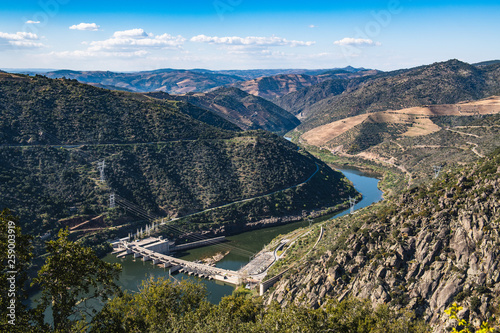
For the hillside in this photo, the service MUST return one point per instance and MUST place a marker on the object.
(299, 101)
(157, 156)
(440, 83)
(274, 87)
(43, 111)
(174, 81)
(416, 121)
(422, 250)
(247, 111)
(414, 140)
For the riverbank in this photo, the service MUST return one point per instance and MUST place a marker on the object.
(392, 179)
(241, 246)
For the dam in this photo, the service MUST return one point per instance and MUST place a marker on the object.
(158, 251)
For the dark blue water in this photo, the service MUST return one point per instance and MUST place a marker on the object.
(364, 184)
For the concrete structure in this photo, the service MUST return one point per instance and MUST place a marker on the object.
(156, 250)
(264, 285)
(200, 243)
(161, 246)
(185, 266)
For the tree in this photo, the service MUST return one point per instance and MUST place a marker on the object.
(159, 307)
(464, 325)
(15, 255)
(72, 275)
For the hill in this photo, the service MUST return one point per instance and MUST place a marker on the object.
(427, 247)
(159, 160)
(181, 81)
(440, 83)
(245, 110)
(299, 101)
(276, 86)
(43, 111)
(413, 122)
(271, 87)
(487, 63)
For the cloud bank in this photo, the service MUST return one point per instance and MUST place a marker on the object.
(20, 40)
(348, 41)
(134, 39)
(249, 41)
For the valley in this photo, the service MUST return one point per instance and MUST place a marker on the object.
(210, 160)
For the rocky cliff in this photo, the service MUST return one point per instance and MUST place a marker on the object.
(429, 247)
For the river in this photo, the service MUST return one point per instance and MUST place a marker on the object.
(241, 245)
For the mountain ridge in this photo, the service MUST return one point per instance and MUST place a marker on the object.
(439, 83)
(168, 157)
(247, 111)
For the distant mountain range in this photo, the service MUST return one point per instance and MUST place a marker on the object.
(174, 81)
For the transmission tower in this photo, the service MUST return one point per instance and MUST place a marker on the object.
(112, 203)
(352, 201)
(437, 170)
(100, 167)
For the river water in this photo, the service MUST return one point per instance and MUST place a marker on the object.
(241, 246)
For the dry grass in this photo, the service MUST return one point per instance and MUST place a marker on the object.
(417, 117)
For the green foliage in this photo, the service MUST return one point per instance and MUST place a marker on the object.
(15, 257)
(164, 306)
(462, 325)
(157, 156)
(159, 306)
(44, 111)
(73, 274)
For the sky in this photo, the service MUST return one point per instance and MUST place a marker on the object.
(245, 34)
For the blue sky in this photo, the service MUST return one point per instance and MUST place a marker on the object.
(243, 34)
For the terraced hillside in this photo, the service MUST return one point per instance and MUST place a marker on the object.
(447, 82)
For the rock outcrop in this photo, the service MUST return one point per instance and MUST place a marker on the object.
(430, 247)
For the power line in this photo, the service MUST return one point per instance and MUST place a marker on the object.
(115, 199)
(140, 212)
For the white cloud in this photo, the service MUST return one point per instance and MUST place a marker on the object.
(90, 54)
(85, 26)
(131, 40)
(132, 33)
(348, 41)
(20, 40)
(134, 43)
(250, 41)
(312, 26)
(32, 22)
